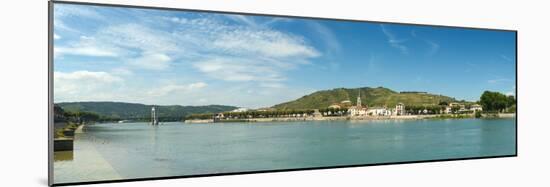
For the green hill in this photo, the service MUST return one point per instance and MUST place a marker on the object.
(120, 110)
(369, 96)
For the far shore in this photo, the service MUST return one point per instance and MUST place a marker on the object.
(352, 118)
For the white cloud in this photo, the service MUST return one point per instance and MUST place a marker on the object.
(82, 85)
(252, 22)
(136, 37)
(328, 37)
(394, 41)
(154, 61)
(121, 71)
(244, 19)
(506, 58)
(174, 88)
(87, 46)
(235, 69)
(76, 11)
(257, 56)
(83, 51)
(434, 47)
(272, 85)
(56, 37)
(241, 53)
(499, 80)
(265, 43)
(176, 20)
(63, 12)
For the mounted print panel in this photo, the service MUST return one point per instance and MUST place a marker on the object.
(152, 93)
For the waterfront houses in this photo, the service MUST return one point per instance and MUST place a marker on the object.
(399, 109)
(461, 108)
(476, 108)
(378, 111)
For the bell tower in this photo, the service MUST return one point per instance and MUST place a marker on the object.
(359, 99)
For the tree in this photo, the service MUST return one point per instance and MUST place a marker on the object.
(511, 100)
(455, 109)
(495, 101)
(477, 114)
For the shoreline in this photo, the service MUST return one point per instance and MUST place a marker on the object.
(79, 129)
(350, 118)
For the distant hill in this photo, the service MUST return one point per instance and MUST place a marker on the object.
(369, 96)
(120, 110)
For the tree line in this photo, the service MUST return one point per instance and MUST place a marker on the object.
(254, 114)
(497, 102)
(333, 111)
(61, 115)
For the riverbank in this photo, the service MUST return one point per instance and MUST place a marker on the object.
(358, 118)
(327, 118)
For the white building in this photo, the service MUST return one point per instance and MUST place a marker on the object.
(476, 108)
(378, 111)
(461, 107)
(399, 109)
(448, 109)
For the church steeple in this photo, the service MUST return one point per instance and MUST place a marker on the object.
(359, 99)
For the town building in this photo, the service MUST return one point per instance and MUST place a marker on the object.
(399, 109)
(461, 108)
(358, 110)
(476, 108)
(378, 111)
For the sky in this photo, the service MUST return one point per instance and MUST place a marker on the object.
(166, 57)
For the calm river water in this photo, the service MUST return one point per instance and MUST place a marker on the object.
(138, 150)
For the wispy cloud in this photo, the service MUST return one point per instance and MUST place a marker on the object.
(499, 80)
(506, 58)
(86, 46)
(393, 40)
(244, 19)
(152, 61)
(84, 51)
(328, 37)
(98, 85)
(247, 51)
(267, 43)
(240, 69)
(67, 12)
(433, 46)
(252, 22)
(433, 49)
(176, 88)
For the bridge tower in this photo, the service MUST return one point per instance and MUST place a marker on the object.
(154, 118)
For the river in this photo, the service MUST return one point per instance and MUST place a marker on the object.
(138, 150)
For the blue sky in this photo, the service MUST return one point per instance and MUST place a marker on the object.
(189, 58)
